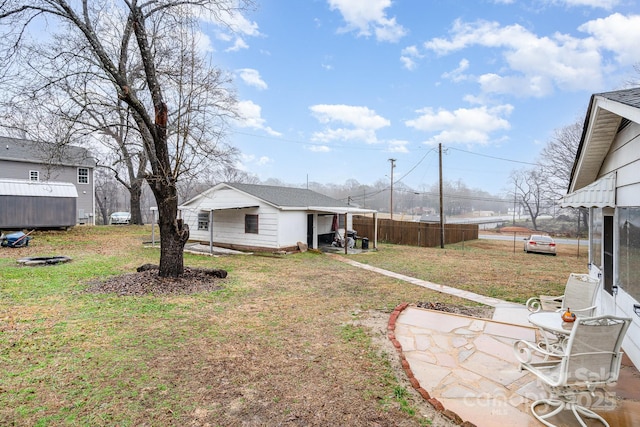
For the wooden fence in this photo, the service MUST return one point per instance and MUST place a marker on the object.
(425, 234)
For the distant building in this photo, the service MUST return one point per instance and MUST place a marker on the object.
(36, 162)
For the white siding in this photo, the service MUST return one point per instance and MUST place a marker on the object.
(624, 159)
(224, 198)
(293, 228)
(276, 228)
(228, 224)
(324, 224)
(624, 308)
(228, 227)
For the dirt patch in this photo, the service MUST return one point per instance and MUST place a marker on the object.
(484, 312)
(148, 281)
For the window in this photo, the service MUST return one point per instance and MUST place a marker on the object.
(83, 176)
(34, 176)
(251, 224)
(203, 220)
(629, 251)
(595, 252)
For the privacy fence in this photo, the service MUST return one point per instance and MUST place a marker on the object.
(426, 234)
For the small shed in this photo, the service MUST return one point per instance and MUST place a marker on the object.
(37, 205)
(263, 217)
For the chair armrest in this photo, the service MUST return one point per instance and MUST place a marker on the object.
(551, 303)
(585, 311)
(533, 304)
(525, 351)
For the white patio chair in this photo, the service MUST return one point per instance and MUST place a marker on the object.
(591, 360)
(579, 295)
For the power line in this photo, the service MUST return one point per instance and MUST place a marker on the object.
(493, 157)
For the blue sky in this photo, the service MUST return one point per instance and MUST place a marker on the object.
(330, 90)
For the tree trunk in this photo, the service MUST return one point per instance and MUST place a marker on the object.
(102, 207)
(135, 194)
(174, 234)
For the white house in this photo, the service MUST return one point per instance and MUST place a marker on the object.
(606, 180)
(263, 217)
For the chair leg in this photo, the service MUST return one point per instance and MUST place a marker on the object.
(560, 405)
(587, 413)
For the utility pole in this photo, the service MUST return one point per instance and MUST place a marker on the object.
(515, 189)
(441, 198)
(393, 165)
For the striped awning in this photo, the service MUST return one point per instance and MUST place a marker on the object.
(598, 194)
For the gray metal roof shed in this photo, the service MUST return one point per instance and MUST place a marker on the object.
(36, 204)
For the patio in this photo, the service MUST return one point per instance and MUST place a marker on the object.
(467, 367)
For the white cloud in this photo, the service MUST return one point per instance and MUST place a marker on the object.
(604, 4)
(398, 146)
(251, 117)
(233, 20)
(465, 126)
(238, 44)
(535, 64)
(359, 123)
(203, 41)
(520, 86)
(408, 56)
(458, 75)
(327, 62)
(319, 148)
(232, 25)
(617, 33)
(252, 78)
(263, 160)
(368, 17)
(247, 162)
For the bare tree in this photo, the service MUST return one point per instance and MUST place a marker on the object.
(528, 186)
(111, 38)
(558, 156)
(107, 191)
(557, 159)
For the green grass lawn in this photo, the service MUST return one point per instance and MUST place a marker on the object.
(284, 339)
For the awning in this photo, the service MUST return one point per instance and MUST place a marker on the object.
(599, 194)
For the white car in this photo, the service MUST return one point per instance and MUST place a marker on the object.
(540, 244)
(119, 218)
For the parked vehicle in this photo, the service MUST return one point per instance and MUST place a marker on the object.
(118, 218)
(15, 240)
(540, 244)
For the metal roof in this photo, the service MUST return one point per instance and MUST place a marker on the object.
(598, 194)
(23, 150)
(608, 112)
(19, 187)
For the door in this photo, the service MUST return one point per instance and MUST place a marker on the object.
(310, 230)
(607, 247)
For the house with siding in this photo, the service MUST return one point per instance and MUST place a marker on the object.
(37, 162)
(263, 217)
(606, 180)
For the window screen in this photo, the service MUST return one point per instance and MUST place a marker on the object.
(251, 224)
